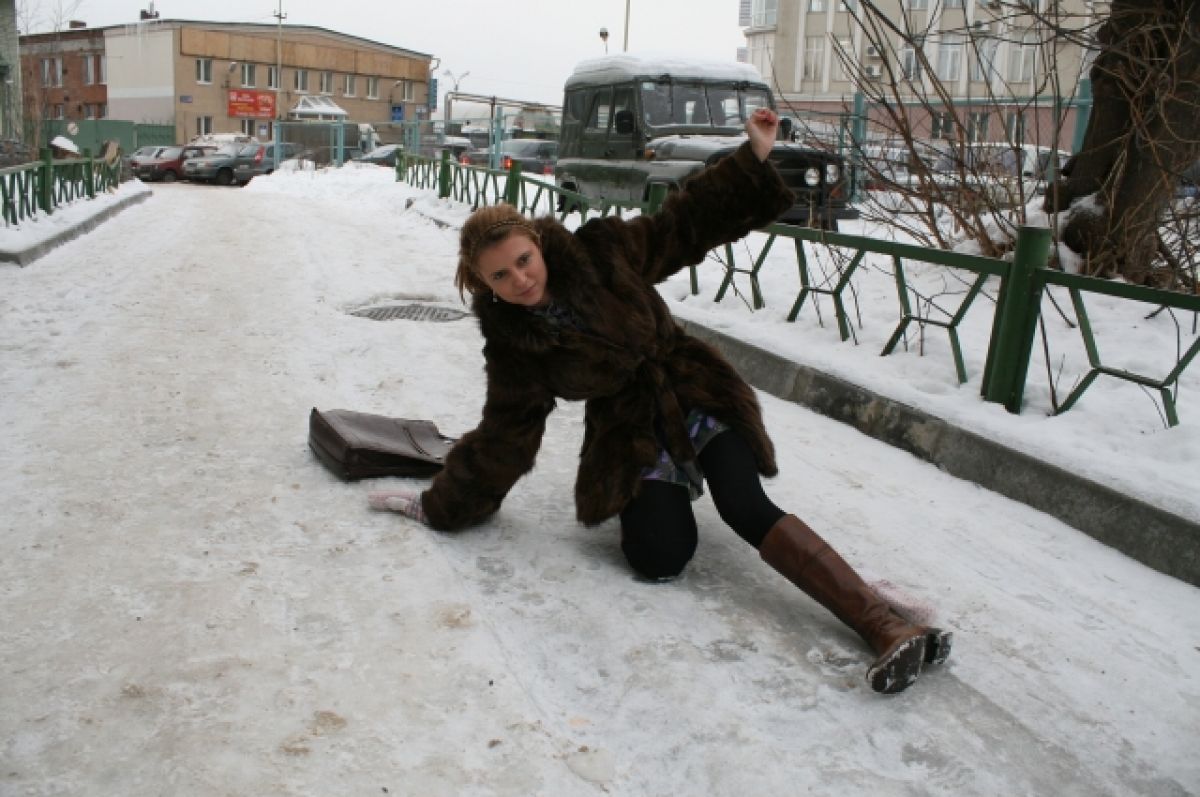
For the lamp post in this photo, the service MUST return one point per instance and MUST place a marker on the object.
(280, 17)
(457, 79)
(604, 38)
(626, 46)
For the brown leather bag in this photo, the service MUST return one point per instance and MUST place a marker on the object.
(357, 445)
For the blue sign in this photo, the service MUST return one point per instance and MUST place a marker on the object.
(397, 113)
(431, 100)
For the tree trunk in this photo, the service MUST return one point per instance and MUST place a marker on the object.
(1144, 130)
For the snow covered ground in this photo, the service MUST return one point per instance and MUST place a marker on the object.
(191, 605)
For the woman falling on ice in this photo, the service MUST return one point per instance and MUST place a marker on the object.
(576, 316)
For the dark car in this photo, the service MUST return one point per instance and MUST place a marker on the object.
(536, 156)
(385, 155)
(632, 124)
(167, 165)
(216, 166)
(255, 159)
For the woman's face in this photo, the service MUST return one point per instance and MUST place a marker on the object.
(514, 270)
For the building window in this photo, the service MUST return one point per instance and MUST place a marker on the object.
(814, 57)
(816, 6)
(102, 110)
(1021, 59)
(977, 126)
(92, 65)
(846, 6)
(272, 77)
(300, 82)
(1015, 127)
(248, 126)
(204, 70)
(917, 5)
(844, 54)
(58, 112)
(204, 126)
(89, 111)
(949, 57)
(248, 76)
(943, 125)
(983, 65)
(52, 71)
(407, 90)
(349, 88)
(763, 13)
(326, 82)
(910, 63)
(953, 3)
(372, 88)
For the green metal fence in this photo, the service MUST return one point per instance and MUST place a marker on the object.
(41, 187)
(1023, 280)
(92, 133)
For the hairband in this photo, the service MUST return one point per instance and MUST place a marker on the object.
(522, 223)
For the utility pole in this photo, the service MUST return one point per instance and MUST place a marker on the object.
(280, 17)
(626, 48)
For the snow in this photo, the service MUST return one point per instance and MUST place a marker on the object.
(628, 66)
(64, 143)
(192, 605)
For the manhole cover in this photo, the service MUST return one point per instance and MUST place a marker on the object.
(410, 312)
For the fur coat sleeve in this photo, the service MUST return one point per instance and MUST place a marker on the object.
(721, 204)
(486, 462)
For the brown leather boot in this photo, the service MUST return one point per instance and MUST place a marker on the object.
(800, 555)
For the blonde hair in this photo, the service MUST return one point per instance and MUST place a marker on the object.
(487, 226)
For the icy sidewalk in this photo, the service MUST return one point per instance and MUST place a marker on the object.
(190, 605)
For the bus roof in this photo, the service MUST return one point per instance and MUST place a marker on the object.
(625, 67)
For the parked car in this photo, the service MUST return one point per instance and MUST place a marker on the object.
(632, 123)
(167, 165)
(999, 173)
(140, 155)
(385, 155)
(255, 159)
(216, 166)
(536, 156)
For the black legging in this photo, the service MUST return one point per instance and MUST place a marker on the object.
(658, 529)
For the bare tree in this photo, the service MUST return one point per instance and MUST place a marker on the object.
(1144, 131)
(954, 171)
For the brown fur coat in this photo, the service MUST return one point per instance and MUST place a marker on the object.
(635, 367)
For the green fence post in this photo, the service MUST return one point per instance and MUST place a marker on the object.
(46, 187)
(512, 185)
(400, 164)
(444, 175)
(658, 195)
(1015, 322)
(89, 171)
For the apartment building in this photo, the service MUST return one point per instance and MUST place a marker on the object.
(63, 75)
(216, 77)
(991, 61)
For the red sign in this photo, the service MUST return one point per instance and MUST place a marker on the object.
(246, 104)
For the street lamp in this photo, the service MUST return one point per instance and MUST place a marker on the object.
(604, 38)
(457, 79)
(626, 47)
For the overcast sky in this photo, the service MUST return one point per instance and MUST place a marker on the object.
(519, 49)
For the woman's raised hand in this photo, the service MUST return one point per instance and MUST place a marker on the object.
(762, 127)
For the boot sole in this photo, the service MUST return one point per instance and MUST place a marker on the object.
(897, 669)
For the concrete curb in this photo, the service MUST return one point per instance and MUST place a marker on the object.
(1153, 536)
(26, 256)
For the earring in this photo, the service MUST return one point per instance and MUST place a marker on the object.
(493, 297)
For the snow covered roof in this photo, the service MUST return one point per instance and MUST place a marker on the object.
(317, 107)
(627, 66)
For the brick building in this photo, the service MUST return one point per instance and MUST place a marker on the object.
(216, 77)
